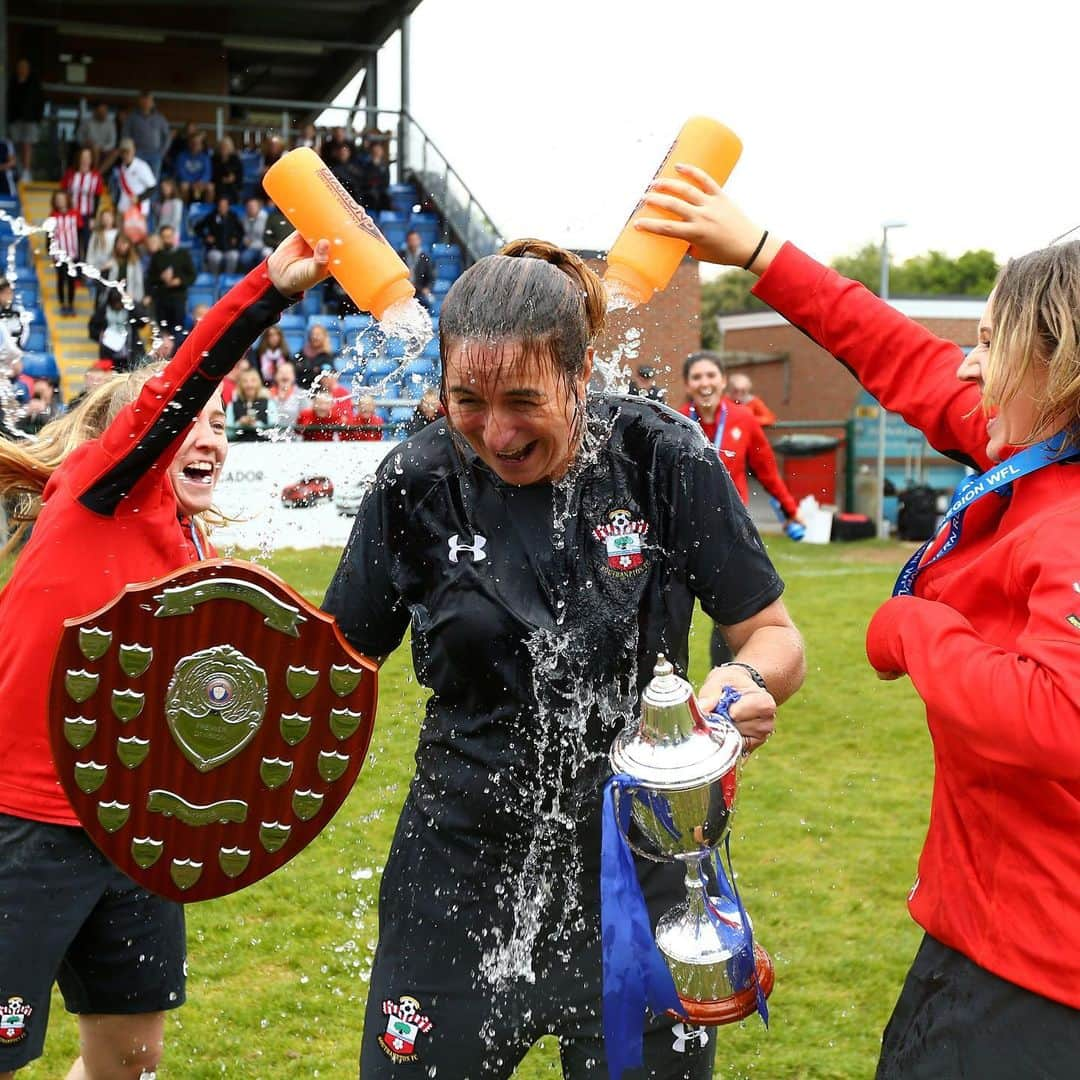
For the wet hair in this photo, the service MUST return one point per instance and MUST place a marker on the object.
(1035, 311)
(532, 294)
(27, 465)
(704, 354)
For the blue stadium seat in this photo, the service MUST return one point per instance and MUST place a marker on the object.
(313, 301)
(227, 281)
(293, 320)
(431, 349)
(205, 278)
(195, 213)
(441, 288)
(40, 365)
(429, 232)
(403, 197)
(378, 366)
(393, 217)
(395, 235)
(357, 322)
(294, 339)
(400, 414)
(201, 294)
(421, 366)
(9, 204)
(37, 339)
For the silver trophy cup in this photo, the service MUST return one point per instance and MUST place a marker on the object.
(687, 773)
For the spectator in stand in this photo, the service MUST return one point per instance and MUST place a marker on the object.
(66, 224)
(328, 380)
(136, 182)
(112, 326)
(375, 179)
(741, 390)
(97, 132)
(421, 268)
(316, 351)
(309, 137)
(9, 168)
(94, 376)
(346, 173)
(222, 235)
(14, 320)
(428, 409)
(331, 146)
(288, 397)
(277, 227)
(125, 265)
(252, 413)
(269, 352)
(194, 171)
(170, 210)
(84, 186)
(325, 419)
(253, 248)
(228, 385)
(102, 238)
(177, 145)
(149, 131)
(273, 150)
(740, 443)
(228, 171)
(368, 422)
(44, 405)
(25, 108)
(170, 274)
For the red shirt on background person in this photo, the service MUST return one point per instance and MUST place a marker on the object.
(741, 389)
(317, 422)
(742, 442)
(368, 421)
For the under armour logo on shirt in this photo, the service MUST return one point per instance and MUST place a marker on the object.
(475, 549)
(686, 1033)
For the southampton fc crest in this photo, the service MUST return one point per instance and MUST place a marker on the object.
(622, 537)
(404, 1023)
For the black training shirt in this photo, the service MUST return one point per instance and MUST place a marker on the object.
(537, 612)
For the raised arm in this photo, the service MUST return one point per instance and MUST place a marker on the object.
(903, 365)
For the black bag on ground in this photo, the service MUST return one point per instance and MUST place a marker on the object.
(852, 527)
(917, 513)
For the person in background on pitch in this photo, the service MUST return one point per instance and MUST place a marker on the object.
(741, 444)
(741, 390)
(984, 622)
(130, 477)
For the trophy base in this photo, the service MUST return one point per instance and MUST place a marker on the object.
(736, 1006)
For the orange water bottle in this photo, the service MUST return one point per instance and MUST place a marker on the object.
(639, 263)
(365, 265)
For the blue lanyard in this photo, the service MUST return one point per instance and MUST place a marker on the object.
(196, 540)
(999, 479)
(721, 423)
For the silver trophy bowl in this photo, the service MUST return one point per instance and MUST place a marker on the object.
(686, 770)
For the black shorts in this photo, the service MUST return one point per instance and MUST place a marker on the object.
(432, 1012)
(955, 1019)
(67, 915)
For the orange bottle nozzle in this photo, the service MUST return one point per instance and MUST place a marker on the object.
(639, 263)
(304, 189)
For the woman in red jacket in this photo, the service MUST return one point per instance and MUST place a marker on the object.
(985, 620)
(116, 490)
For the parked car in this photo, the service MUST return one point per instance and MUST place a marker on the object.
(307, 491)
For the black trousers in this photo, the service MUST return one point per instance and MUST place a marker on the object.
(432, 1010)
(65, 287)
(956, 1021)
(170, 309)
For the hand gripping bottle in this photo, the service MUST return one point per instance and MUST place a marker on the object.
(792, 529)
(639, 263)
(365, 265)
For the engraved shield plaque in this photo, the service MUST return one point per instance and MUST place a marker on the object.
(207, 726)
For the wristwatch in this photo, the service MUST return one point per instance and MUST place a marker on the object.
(754, 673)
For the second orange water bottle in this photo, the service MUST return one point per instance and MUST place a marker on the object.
(639, 263)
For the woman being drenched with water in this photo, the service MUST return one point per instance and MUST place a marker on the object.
(544, 544)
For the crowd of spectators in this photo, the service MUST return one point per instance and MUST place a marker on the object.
(139, 197)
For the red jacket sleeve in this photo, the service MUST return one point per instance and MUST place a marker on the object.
(908, 369)
(145, 435)
(1017, 708)
(762, 413)
(762, 463)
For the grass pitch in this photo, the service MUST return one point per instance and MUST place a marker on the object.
(831, 816)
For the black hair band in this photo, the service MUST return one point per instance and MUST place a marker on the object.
(757, 251)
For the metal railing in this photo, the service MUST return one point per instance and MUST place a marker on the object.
(471, 223)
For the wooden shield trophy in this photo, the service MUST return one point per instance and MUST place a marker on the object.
(207, 726)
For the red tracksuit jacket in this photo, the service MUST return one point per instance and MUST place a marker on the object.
(991, 641)
(109, 519)
(744, 445)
